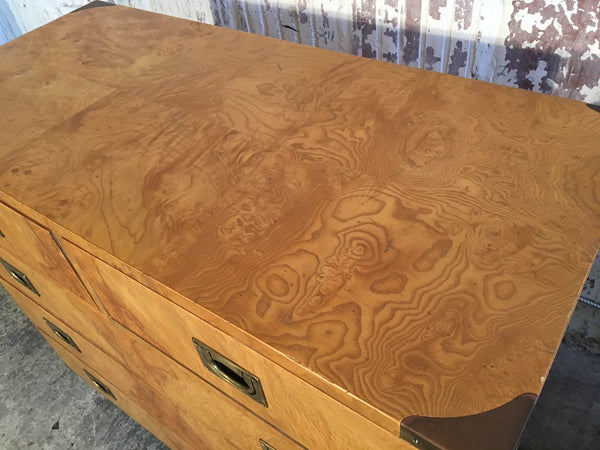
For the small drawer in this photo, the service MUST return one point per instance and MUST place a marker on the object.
(219, 421)
(39, 289)
(31, 258)
(288, 402)
(130, 405)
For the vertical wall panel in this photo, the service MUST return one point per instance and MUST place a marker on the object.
(273, 24)
(9, 28)
(465, 20)
(223, 13)
(306, 22)
(489, 43)
(288, 16)
(256, 18)
(438, 31)
(550, 46)
(389, 19)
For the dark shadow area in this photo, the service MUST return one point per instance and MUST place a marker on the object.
(567, 414)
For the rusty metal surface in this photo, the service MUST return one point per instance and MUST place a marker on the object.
(549, 46)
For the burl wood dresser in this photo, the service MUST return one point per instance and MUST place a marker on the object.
(244, 242)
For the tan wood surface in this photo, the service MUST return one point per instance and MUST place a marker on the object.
(134, 398)
(31, 249)
(131, 407)
(294, 406)
(198, 412)
(417, 240)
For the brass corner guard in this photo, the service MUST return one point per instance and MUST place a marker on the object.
(497, 429)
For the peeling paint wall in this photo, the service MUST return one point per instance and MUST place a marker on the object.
(550, 46)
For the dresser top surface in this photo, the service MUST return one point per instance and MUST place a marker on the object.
(419, 240)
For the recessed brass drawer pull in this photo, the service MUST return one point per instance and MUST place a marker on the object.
(62, 335)
(99, 385)
(20, 277)
(229, 371)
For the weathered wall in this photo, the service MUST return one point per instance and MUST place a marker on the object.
(550, 46)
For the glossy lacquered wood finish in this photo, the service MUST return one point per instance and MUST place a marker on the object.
(122, 396)
(414, 241)
(294, 406)
(184, 404)
(122, 400)
(31, 249)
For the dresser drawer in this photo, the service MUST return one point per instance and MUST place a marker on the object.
(114, 392)
(31, 258)
(220, 422)
(292, 405)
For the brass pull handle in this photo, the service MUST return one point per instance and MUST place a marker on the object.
(99, 385)
(62, 335)
(19, 276)
(2, 234)
(265, 446)
(229, 375)
(230, 372)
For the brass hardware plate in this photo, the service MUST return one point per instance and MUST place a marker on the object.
(100, 385)
(20, 277)
(230, 372)
(62, 335)
(265, 446)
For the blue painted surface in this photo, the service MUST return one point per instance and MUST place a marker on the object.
(8, 25)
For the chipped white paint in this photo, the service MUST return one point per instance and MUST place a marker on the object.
(198, 10)
(464, 39)
(563, 52)
(487, 62)
(439, 29)
(31, 14)
(389, 36)
(592, 95)
(528, 21)
(593, 50)
(307, 22)
(536, 76)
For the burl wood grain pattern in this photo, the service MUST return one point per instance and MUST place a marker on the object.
(294, 406)
(418, 246)
(31, 249)
(123, 401)
(132, 396)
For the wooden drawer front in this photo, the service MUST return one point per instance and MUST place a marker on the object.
(33, 253)
(294, 406)
(130, 404)
(221, 422)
